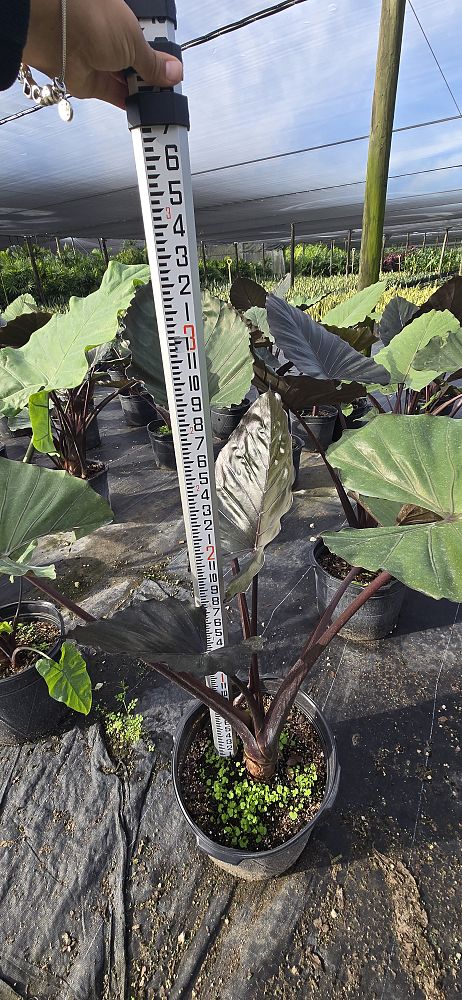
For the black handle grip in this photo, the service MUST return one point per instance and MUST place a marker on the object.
(155, 9)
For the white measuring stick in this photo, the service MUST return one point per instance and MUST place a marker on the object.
(159, 124)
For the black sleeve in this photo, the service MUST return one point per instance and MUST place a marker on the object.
(14, 22)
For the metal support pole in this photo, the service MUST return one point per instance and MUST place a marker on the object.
(236, 251)
(348, 252)
(263, 259)
(331, 258)
(58, 246)
(102, 243)
(424, 244)
(383, 110)
(35, 271)
(408, 241)
(443, 251)
(73, 245)
(383, 251)
(292, 255)
(204, 261)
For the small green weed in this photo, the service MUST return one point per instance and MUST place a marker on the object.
(242, 804)
(124, 728)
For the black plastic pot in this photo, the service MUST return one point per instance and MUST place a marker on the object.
(297, 445)
(374, 620)
(322, 427)
(163, 449)
(138, 410)
(255, 865)
(226, 418)
(26, 710)
(92, 437)
(99, 483)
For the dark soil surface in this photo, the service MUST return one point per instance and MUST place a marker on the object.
(303, 748)
(321, 412)
(340, 569)
(41, 635)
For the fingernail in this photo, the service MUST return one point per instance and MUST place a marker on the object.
(174, 71)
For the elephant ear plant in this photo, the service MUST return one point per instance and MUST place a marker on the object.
(35, 503)
(412, 461)
(46, 366)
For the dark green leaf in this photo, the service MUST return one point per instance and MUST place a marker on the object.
(245, 293)
(315, 351)
(398, 313)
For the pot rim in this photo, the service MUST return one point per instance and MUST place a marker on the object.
(316, 549)
(235, 855)
(333, 411)
(54, 615)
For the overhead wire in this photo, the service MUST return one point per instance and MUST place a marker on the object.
(227, 29)
(435, 57)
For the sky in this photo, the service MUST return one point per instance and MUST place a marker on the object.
(301, 78)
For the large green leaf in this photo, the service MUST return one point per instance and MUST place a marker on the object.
(227, 349)
(355, 309)
(168, 631)
(67, 679)
(55, 358)
(413, 461)
(19, 307)
(316, 351)
(254, 476)
(35, 502)
(259, 320)
(401, 353)
(398, 313)
(444, 354)
(245, 293)
(39, 414)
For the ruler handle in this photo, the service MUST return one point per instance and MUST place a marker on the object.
(159, 122)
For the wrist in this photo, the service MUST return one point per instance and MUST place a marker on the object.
(43, 49)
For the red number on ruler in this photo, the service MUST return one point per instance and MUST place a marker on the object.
(189, 330)
(210, 549)
(168, 212)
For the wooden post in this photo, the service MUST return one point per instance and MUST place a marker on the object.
(424, 244)
(58, 246)
(263, 259)
(102, 243)
(236, 251)
(331, 259)
(383, 111)
(383, 251)
(348, 252)
(408, 240)
(443, 251)
(292, 255)
(73, 245)
(35, 271)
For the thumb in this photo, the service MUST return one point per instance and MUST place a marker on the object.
(157, 68)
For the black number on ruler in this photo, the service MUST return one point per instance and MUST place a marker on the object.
(194, 383)
(201, 462)
(182, 259)
(178, 226)
(176, 197)
(196, 404)
(185, 283)
(171, 157)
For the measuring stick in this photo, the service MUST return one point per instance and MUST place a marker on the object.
(159, 122)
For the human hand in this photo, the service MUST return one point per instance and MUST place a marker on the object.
(103, 39)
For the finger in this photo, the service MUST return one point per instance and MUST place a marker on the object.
(157, 68)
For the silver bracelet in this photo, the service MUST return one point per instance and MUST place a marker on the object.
(55, 91)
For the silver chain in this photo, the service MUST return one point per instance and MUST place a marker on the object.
(55, 91)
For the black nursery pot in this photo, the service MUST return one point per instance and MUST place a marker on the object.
(226, 418)
(322, 427)
(376, 619)
(163, 448)
(99, 483)
(256, 865)
(138, 410)
(297, 446)
(26, 710)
